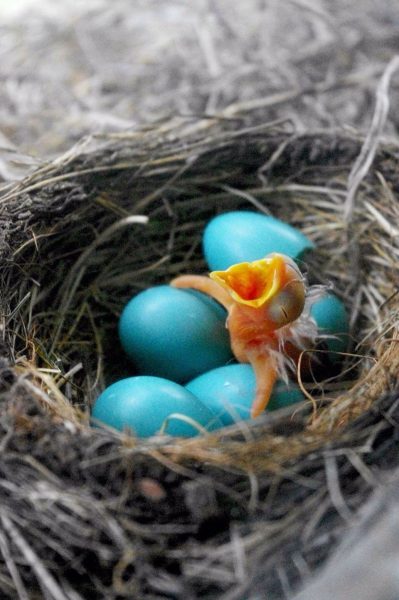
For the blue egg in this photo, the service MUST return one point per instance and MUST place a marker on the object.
(332, 319)
(242, 236)
(146, 404)
(229, 392)
(174, 333)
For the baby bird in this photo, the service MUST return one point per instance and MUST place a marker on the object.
(265, 300)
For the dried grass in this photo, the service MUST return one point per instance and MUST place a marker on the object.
(106, 222)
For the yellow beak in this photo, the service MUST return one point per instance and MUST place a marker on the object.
(253, 283)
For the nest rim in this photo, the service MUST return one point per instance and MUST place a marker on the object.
(170, 164)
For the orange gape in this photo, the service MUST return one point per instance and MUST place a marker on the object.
(261, 298)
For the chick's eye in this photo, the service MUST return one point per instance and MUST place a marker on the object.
(285, 313)
(287, 305)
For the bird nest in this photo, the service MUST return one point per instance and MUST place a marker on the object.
(252, 509)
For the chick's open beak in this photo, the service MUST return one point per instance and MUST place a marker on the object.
(253, 283)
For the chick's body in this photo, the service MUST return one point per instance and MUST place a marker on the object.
(261, 297)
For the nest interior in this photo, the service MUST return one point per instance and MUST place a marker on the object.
(252, 510)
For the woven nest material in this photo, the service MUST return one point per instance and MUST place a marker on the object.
(248, 512)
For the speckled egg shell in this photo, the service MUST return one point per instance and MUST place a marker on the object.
(243, 236)
(174, 333)
(229, 392)
(145, 404)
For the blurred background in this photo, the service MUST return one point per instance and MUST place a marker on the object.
(73, 68)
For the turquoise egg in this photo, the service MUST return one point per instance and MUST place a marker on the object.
(174, 333)
(243, 236)
(229, 392)
(332, 319)
(143, 404)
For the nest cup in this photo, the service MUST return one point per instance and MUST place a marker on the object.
(84, 236)
(119, 214)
